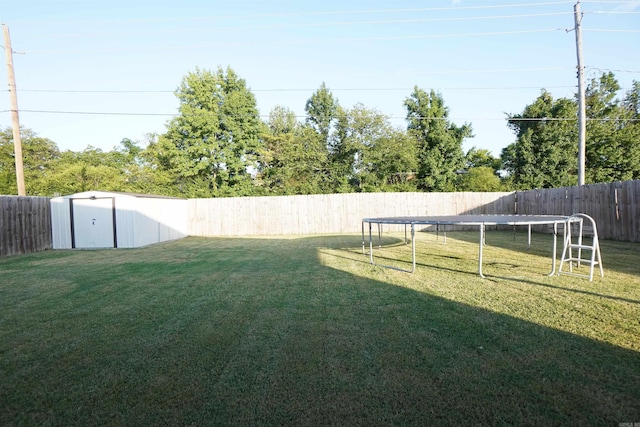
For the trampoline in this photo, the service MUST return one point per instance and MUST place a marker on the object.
(479, 221)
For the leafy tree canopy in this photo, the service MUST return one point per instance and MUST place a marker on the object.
(322, 110)
(211, 148)
(439, 141)
(219, 146)
(481, 179)
(37, 155)
(294, 158)
(613, 131)
(545, 152)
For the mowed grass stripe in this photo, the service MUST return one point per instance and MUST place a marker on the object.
(305, 331)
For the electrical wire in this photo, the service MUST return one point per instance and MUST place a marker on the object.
(522, 119)
(97, 113)
(629, 3)
(612, 12)
(92, 91)
(302, 14)
(313, 25)
(601, 70)
(417, 72)
(361, 89)
(604, 30)
(301, 42)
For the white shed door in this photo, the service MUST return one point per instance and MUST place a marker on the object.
(93, 223)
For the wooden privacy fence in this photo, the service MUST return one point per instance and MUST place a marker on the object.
(615, 206)
(25, 225)
(25, 222)
(330, 213)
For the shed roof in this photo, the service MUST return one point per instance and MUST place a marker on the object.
(92, 193)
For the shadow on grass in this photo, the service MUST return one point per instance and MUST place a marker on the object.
(624, 257)
(284, 332)
(617, 256)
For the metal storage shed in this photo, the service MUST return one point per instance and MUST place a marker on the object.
(97, 219)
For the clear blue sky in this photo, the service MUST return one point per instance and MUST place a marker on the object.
(486, 57)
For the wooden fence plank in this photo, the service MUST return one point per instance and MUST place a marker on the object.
(614, 206)
(25, 225)
(330, 213)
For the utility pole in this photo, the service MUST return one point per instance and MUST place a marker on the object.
(17, 143)
(582, 115)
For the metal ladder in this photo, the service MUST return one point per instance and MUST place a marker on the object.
(580, 245)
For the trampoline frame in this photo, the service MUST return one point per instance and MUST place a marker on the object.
(480, 221)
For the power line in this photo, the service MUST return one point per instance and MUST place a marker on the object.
(93, 91)
(612, 12)
(493, 70)
(321, 41)
(524, 119)
(613, 70)
(301, 41)
(316, 24)
(416, 72)
(301, 14)
(604, 30)
(98, 113)
(627, 3)
(361, 89)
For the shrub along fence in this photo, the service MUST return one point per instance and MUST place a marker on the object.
(25, 225)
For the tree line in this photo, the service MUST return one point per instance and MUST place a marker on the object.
(218, 145)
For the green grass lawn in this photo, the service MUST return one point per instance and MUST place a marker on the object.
(304, 331)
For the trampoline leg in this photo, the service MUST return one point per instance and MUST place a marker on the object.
(480, 245)
(554, 249)
(405, 235)
(370, 245)
(363, 252)
(413, 248)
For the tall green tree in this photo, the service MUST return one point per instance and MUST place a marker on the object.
(294, 158)
(613, 133)
(545, 152)
(322, 110)
(439, 141)
(369, 153)
(357, 130)
(37, 155)
(392, 163)
(211, 148)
